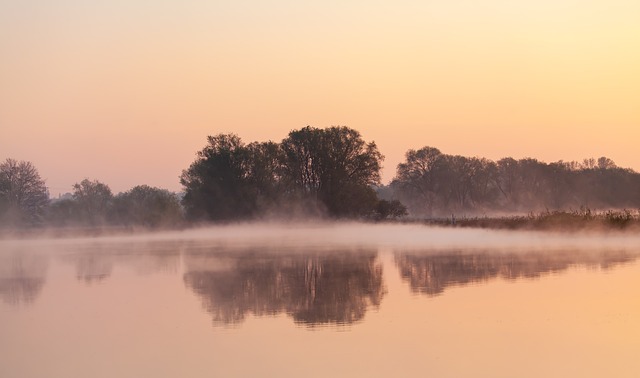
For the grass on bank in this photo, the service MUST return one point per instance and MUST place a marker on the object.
(575, 220)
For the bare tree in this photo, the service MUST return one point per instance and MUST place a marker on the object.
(23, 194)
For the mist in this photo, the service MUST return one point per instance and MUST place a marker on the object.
(329, 235)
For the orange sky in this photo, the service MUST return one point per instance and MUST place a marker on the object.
(126, 91)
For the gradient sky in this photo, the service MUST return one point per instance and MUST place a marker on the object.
(127, 91)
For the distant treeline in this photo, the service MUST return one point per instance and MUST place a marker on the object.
(24, 202)
(433, 184)
(313, 172)
(329, 172)
(93, 205)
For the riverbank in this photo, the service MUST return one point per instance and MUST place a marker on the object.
(582, 220)
(564, 221)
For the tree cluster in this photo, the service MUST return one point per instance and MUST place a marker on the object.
(319, 171)
(322, 172)
(434, 184)
(92, 204)
(24, 202)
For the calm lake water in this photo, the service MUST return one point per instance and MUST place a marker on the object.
(321, 300)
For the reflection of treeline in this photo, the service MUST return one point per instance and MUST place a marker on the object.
(95, 262)
(431, 274)
(23, 272)
(22, 276)
(325, 288)
(431, 183)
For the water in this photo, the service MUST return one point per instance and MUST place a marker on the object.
(321, 300)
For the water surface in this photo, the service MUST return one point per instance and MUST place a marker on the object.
(321, 300)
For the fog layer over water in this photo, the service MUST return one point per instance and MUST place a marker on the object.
(351, 234)
(243, 300)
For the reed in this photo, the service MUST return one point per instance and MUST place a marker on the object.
(550, 220)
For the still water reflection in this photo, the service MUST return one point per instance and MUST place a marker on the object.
(95, 262)
(334, 287)
(22, 276)
(184, 306)
(430, 274)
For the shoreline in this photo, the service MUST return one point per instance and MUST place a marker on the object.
(550, 221)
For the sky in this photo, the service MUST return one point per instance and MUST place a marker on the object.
(126, 92)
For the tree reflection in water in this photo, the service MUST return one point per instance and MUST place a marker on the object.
(93, 268)
(430, 274)
(95, 262)
(22, 276)
(321, 288)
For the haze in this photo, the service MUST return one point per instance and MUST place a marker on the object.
(127, 91)
(312, 235)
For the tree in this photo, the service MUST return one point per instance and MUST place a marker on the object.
(331, 167)
(334, 167)
(23, 194)
(533, 185)
(589, 163)
(94, 200)
(506, 179)
(264, 175)
(302, 166)
(393, 209)
(606, 163)
(63, 212)
(416, 179)
(147, 206)
(435, 184)
(224, 180)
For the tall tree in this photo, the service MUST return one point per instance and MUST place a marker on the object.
(94, 200)
(302, 166)
(23, 194)
(228, 177)
(146, 206)
(264, 174)
(416, 178)
(333, 166)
